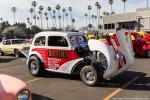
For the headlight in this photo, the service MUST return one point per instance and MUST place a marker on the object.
(23, 95)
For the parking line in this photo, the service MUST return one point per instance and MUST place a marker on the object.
(120, 89)
(11, 67)
(30, 81)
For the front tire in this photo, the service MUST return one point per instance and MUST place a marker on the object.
(89, 75)
(35, 66)
(17, 53)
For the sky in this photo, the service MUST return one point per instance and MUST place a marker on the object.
(79, 8)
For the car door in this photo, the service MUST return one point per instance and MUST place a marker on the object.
(6, 44)
(59, 54)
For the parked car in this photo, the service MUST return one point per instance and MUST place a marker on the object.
(141, 44)
(12, 88)
(71, 53)
(13, 46)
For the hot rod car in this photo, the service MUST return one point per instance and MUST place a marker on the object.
(71, 53)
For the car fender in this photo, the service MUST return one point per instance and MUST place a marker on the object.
(37, 54)
(108, 51)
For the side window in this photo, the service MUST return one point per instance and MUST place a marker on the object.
(57, 41)
(6, 42)
(40, 41)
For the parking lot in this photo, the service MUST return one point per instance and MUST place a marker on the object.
(132, 84)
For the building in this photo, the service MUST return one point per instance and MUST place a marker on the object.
(134, 21)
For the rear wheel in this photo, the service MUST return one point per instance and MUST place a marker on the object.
(35, 66)
(148, 53)
(89, 75)
(17, 53)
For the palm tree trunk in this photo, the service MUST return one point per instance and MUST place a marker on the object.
(34, 16)
(31, 18)
(71, 18)
(63, 21)
(86, 21)
(97, 17)
(41, 21)
(89, 17)
(67, 21)
(14, 18)
(147, 3)
(124, 7)
(47, 25)
(111, 8)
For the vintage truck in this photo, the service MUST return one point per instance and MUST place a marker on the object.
(72, 53)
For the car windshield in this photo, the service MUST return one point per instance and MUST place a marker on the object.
(78, 40)
(18, 41)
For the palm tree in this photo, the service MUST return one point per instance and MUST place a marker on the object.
(124, 1)
(34, 3)
(73, 23)
(40, 12)
(70, 10)
(31, 11)
(46, 17)
(93, 19)
(66, 19)
(49, 9)
(14, 11)
(86, 15)
(38, 21)
(97, 6)
(59, 17)
(54, 17)
(63, 10)
(111, 3)
(89, 8)
(147, 3)
(28, 20)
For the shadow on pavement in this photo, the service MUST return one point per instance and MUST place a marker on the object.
(4, 60)
(143, 83)
(40, 97)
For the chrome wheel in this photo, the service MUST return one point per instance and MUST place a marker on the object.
(34, 68)
(89, 76)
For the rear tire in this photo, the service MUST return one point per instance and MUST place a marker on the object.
(148, 53)
(35, 66)
(17, 53)
(89, 75)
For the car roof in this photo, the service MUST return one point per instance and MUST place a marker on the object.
(54, 33)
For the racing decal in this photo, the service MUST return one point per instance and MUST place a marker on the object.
(116, 45)
(57, 57)
(60, 54)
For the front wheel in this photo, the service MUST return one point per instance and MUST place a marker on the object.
(17, 53)
(148, 53)
(89, 75)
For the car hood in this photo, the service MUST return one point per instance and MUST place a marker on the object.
(10, 86)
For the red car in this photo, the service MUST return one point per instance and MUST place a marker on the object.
(141, 45)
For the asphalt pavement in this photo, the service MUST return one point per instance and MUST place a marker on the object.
(134, 84)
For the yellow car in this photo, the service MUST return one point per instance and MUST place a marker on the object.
(13, 46)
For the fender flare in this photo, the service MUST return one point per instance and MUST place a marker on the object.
(37, 54)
